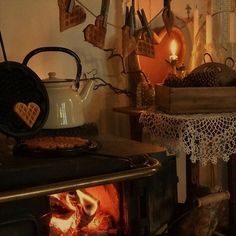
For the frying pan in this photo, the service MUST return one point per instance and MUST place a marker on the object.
(19, 83)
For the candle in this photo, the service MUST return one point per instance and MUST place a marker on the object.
(195, 23)
(195, 32)
(208, 29)
(232, 27)
(173, 56)
(173, 49)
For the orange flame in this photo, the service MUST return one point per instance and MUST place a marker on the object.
(93, 210)
(89, 204)
(173, 47)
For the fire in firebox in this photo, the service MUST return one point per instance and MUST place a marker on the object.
(90, 211)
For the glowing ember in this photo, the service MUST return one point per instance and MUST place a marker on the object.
(64, 226)
(64, 218)
(101, 221)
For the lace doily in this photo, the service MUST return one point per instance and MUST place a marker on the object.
(205, 137)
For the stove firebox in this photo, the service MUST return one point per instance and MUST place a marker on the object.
(88, 211)
(133, 207)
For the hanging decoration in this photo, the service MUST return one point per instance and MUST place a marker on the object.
(96, 34)
(135, 39)
(168, 16)
(70, 14)
(128, 39)
(102, 83)
(188, 10)
(145, 38)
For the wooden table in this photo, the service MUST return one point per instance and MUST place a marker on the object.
(192, 170)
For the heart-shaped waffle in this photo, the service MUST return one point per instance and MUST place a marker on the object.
(145, 46)
(68, 20)
(28, 113)
(128, 42)
(95, 34)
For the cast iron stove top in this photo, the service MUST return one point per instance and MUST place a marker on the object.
(117, 160)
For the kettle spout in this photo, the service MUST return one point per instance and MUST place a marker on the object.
(85, 93)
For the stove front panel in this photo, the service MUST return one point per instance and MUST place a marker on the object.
(24, 217)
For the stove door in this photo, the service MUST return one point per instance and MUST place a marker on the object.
(21, 225)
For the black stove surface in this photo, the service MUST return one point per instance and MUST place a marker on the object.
(115, 155)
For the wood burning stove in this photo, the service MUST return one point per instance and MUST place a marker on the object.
(124, 189)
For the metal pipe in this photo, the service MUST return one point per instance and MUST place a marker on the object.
(64, 186)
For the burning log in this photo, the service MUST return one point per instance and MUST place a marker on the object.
(64, 220)
(85, 219)
(87, 208)
(102, 222)
(79, 214)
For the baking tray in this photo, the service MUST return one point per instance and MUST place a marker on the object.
(23, 150)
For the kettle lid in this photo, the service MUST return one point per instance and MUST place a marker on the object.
(53, 79)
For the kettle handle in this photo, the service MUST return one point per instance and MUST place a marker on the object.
(57, 49)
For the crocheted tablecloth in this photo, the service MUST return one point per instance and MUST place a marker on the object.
(205, 137)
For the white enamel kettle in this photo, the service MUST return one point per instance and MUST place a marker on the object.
(66, 104)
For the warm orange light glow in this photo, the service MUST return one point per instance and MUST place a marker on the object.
(66, 223)
(173, 49)
(101, 222)
(90, 211)
(89, 204)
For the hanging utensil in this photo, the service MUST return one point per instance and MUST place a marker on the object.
(21, 93)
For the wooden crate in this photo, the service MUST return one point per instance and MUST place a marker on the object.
(195, 100)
